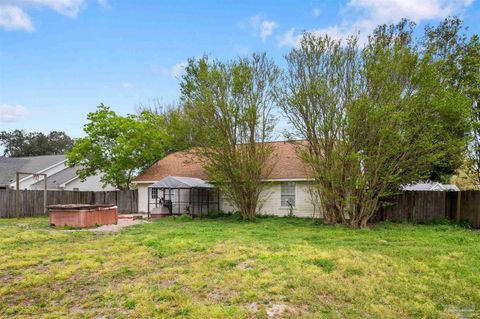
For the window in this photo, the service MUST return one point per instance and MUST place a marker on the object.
(287, 196)
(154, 192)
(76, 189)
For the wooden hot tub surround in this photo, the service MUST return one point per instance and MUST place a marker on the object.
(81, 215)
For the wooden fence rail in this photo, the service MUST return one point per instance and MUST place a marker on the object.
(32, 200)
(428, 206)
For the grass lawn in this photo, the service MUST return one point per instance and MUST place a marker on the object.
(218, 268)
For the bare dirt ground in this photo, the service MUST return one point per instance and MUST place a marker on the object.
(122, 223)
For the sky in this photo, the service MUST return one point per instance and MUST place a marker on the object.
(59, 59)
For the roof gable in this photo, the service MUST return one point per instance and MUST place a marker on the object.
(430, 186)
(58, 179)
(10, 165)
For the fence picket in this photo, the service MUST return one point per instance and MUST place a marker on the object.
(32, 200)
(427, 206)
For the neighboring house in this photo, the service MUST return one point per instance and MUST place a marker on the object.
(287, 183)
(59, 175)
(431, 186)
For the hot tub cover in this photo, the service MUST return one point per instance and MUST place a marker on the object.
(79, 206)
(181, 182)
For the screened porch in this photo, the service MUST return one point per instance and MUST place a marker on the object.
(177, 195)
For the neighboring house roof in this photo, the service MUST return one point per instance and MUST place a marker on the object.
(430, 186)
(451, 187)
(181, 182)
(10, 165)
(287, 165)
(58, 179)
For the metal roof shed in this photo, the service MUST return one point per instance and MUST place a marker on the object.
(175, 195)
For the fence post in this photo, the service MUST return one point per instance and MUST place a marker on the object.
(459, 206)
(17, 196)
(45, 210)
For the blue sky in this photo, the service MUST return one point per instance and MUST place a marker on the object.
(60, 58)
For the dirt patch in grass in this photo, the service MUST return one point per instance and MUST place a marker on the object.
(121, 224)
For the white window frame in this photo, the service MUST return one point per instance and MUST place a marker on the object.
(154, 193)
(288, 190)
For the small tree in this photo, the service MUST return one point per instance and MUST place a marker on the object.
(230, 104)
(118, 146)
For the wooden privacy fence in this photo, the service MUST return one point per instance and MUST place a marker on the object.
(32, 200)
(427, 206)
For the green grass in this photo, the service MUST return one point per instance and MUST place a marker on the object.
(225, 268)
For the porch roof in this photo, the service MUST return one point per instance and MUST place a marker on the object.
(181, 182)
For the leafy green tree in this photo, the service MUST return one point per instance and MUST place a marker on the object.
(181, 132)
(19, 143)
(317, 88)
(119, 146)
(458, 57)
(374, 118)
(231, 107)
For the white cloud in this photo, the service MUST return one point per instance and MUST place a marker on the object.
(289, 39)
(66, 7)
(12, 113)
(174, 71)
(382, 11)
(267, 29)
(126, 85)
(178, 69)
(364, 15)
(14, 16)
(316, 12)
(262, 28)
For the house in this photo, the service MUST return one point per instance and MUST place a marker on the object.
(59, 175)
(286, 189)
(431, 186)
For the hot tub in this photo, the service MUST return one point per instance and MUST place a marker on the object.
(81, 215)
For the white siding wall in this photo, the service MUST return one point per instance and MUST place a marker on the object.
(270, 200)
(271, 205)
(225, 205)
(92, 183)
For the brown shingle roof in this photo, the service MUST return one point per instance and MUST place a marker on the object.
(288, 165)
